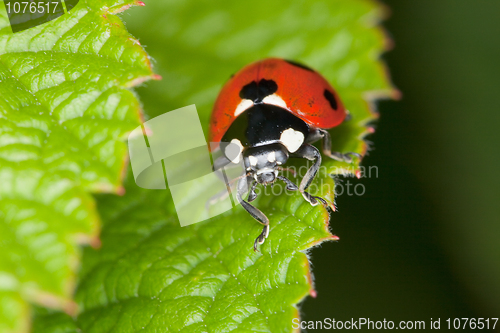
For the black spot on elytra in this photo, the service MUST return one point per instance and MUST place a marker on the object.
(331, 99)
(257, 92)
(297, 64)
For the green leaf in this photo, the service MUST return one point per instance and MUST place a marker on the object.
(153, 275)
(54, 322)
(64, 112)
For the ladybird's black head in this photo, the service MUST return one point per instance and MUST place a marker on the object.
(263, 161)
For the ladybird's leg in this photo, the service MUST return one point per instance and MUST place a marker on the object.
(252, 195)
(313, 200)
(225, 193)
(219, 164)
(327, 149)
(312, 154)
(218, 167)
(254, 212)
(290, 186)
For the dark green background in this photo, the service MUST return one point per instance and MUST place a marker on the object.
(423, 241)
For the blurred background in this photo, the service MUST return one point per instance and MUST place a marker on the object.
(423, 241)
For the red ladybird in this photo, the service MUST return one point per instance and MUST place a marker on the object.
(272, 110)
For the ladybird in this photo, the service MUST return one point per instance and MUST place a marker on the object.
(273, 110)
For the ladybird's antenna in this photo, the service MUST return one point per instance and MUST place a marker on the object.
(287, 169)
(232, 181)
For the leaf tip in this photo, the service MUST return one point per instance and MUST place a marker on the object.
(139, 80)
(396, 94)
(95, 242)
(92, 240)
(120, 190)
(125, 7)
(71, 308)
(135, 41)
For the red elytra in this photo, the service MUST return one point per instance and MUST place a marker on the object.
(306, 93)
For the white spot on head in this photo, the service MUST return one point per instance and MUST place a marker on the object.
(253, 160)
(274, 100)
(244, 104)
(292, 139)
(271, 157)
(233, 151)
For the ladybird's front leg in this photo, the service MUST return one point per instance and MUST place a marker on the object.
(254, 212)
(252, 195)
(310, 198)
(327, 149)
(310, 153)
(221, 162)
(219, 168)
(313, 200)
(290, 186)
